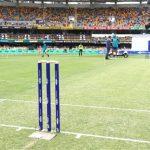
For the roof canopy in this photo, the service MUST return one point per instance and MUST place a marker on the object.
(76, 3)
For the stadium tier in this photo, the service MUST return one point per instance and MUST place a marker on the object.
(56, 37)
(79, 18)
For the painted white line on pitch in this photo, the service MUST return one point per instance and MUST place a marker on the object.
(111, 108)
(19, 129)
(78, 136)
(85, 135)
(14, 126)
(108, 137)
(15, 100)
(86, 106)
(1, 100)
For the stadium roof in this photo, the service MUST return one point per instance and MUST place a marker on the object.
(98, 1)
(101, 1)
(76, 3)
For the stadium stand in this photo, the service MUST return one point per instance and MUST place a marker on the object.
(24, 26)
(83, 17)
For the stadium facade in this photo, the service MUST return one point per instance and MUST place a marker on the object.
(68, 23)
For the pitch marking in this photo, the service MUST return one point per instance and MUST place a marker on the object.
(1, 100)
(78, 135)
(85, 106)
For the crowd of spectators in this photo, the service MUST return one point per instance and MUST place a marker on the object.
(56, 48)
(79, 17)
(53, 37)
(103, 39)
(61, 37)
(7, 47)
(67, 48)
(112, 17)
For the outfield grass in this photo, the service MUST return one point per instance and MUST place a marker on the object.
(109, 98)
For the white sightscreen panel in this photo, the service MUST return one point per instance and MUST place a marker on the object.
(140, 42)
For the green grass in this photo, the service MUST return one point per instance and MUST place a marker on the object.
(89, 81)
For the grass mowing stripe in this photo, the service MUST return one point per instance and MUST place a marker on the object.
(84, 106)
(84, 134)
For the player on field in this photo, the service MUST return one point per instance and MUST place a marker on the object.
(80, 49)
(44, 49)
(115, 45)
(108, 46)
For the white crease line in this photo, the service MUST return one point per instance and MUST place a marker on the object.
(14, 100)
(1, 100)
(86, 106)
(108, 137)
(111, 108)
(78, 135)
(19, 129)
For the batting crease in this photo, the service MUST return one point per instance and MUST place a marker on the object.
(78, 135)
(84, 106)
